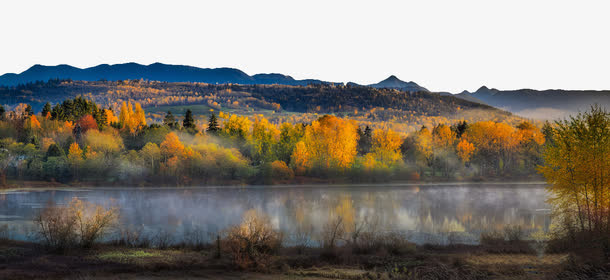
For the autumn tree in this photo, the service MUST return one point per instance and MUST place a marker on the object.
(130, 120)
(576, 166)
(32, 123)
(385, 148)
(329, 143)
(495, 144)
(443, 140)
(424, 153)
(264, 138)
(151, 154)
(139, 115)
(75, 157)
(236, 127)
(531, 143)
(171, 146)
(111, 119)
(465, 150)
(86, 123)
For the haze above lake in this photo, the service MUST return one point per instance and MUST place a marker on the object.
(438, 214)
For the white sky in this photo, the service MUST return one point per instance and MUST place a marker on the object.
(442, 45)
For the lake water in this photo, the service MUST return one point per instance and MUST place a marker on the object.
(439, 214)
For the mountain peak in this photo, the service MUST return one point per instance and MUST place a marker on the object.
(482, 89)
(392, 78)
(394, 82)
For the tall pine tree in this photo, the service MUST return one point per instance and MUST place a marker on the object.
(189, 123)
(213, 124)
(170, 120)
(46, 109)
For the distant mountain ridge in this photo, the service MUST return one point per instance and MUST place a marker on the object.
(153, 72)
(544, 104)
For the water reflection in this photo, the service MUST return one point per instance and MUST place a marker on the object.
(424, 214)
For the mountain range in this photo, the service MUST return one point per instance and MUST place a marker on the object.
(547, 104)
(153, 72)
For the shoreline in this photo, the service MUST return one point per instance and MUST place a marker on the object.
(43, 185)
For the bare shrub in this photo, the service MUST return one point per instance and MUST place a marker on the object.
(195, 238)
(513, 233)
(92, 220)
(163, 239)
(253, 241)
(79, 223)
(5, 232)
(491, 238)
(133, 237)
(508, 241)
(333, 232)
(302, 238)
(397, 244)
(368, 237)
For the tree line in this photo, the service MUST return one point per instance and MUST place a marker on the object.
(78, 140)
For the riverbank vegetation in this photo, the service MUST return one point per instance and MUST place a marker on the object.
(78, 141)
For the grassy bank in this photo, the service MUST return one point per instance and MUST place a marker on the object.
(21, 260)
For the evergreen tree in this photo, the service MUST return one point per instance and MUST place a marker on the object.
(2, 111)
(170, 121)
(365, 140)
(213, 124)
(54, 151)
(46, 109)
(28, 110)
(459, 128)
(188, 122)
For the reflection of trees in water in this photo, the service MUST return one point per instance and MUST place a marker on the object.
(425, 209)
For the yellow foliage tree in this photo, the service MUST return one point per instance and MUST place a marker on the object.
(236, 127)
(385, 148)
(576, 166)
(110, 117)
(75, 153)
(331, 142)
(129, 120)
(301, 160)
(264, 138)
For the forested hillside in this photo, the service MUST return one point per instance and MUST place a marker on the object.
(404, 110)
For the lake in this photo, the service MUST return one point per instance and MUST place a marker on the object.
(425, 213)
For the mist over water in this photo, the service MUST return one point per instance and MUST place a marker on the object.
(437, 214)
